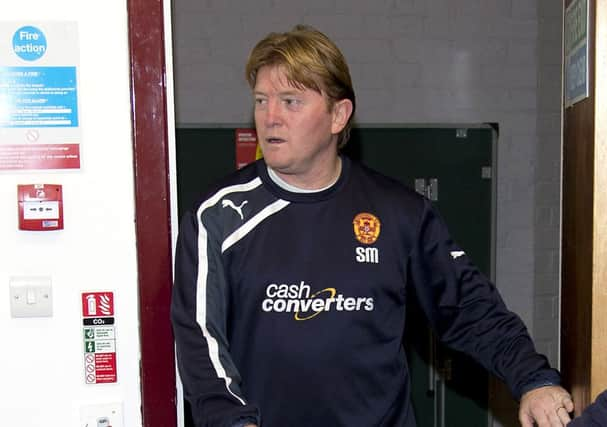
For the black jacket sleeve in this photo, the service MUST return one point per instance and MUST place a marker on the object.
(594, 415)
(198, 311)
(467, 312)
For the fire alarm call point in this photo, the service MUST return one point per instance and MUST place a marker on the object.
(40, 207)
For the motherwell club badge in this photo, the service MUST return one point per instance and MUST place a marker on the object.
(366, 228)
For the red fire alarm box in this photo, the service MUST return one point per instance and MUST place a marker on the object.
(40, 207)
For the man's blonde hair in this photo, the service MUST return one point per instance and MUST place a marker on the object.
(310, 60)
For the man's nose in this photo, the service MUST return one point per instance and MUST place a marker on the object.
(273, 115)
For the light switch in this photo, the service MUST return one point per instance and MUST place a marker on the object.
(31, 296)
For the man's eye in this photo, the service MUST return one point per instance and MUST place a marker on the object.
(291, 101)
(260, 101)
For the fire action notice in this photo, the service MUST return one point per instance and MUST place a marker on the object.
(39, 113)
(99, 337)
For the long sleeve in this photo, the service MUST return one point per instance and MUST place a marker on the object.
(594, 415)
(467, 311)
(199, 316)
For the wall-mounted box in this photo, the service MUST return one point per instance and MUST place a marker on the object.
(40, 207)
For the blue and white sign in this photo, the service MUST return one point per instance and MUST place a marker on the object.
(39, 96)
(576, 67)
(29, 43)
(576, 52)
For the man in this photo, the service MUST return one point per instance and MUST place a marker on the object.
(292, 274)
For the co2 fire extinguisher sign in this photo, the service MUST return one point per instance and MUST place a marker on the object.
(99, 336)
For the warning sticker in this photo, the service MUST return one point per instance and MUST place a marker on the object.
(99, 337)
(97, 304)
(100, 368)
(105, 368)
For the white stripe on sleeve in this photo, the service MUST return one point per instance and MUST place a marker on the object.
(201, 281)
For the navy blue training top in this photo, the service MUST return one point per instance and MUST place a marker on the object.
(289, 308)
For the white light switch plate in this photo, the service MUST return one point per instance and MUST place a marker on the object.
(101, 415)
(31, 296)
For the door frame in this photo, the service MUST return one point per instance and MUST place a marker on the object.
(151, 107)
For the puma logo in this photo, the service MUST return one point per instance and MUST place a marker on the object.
(228, 203)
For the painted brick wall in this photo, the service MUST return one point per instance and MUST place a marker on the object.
(420, 61)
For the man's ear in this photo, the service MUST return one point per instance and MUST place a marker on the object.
(342, 110)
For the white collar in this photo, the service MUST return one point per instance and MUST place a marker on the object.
(293, 189)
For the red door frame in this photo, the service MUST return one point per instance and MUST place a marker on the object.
(152, 210)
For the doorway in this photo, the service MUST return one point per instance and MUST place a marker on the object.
(457, 166)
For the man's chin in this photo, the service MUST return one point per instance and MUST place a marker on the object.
(279, 165)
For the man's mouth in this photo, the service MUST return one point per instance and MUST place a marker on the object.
(274, 140)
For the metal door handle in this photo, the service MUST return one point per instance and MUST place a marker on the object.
(427, 188)
(432, 189)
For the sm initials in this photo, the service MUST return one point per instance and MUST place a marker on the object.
(369, 255)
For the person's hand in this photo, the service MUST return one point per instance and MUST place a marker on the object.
(547, 406)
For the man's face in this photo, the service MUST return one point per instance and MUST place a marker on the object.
(297, 130)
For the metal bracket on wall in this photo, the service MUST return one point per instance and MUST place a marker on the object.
(427, 187)
(486, 172)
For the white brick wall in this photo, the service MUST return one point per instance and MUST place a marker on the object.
(420, 61)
